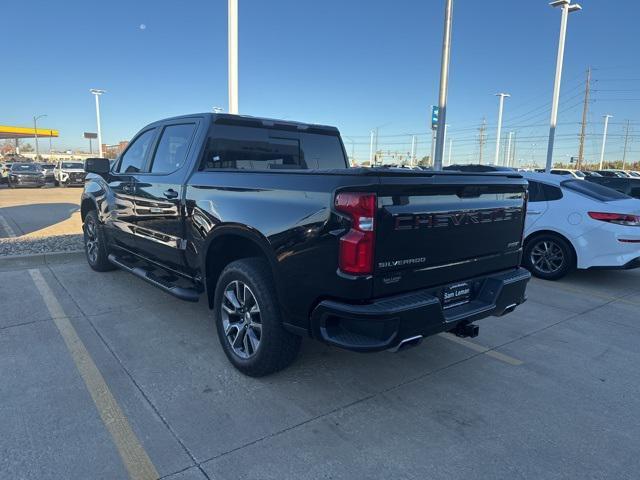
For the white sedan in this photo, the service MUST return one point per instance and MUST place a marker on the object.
(576, 224)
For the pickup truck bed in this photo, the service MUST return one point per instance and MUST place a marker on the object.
(364, 259)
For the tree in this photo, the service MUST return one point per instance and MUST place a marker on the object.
(26, 147)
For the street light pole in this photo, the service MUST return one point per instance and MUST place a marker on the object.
(233, 56)
(604, 138)
(96, 93)
(566, 9)
(499, 132)
(444, 84)
(35, 132)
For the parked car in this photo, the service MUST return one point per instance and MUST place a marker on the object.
(25, 175)
(633, 173)
(68, 173)
(4, 172)
(471, 167)
(285, 240)
(578, 224)
(629, 186)
(47, 169)
(568, 173)
(613, 173)
(591, 173)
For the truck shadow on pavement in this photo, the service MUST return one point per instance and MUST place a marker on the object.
(32, 218)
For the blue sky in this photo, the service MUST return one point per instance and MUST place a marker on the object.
(355, 64)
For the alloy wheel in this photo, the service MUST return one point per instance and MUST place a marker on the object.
(241, 319)
(91, 240)
(547, 257)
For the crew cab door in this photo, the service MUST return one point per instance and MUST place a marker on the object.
(159, 195)
(120, 220)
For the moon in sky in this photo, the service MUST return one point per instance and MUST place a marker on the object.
(143, 26)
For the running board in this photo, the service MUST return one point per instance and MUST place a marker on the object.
(187, 294)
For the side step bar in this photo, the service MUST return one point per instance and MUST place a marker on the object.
(187, 294)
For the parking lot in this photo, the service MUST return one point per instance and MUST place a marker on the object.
(104, 376)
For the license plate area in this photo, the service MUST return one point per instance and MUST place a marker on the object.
(456, 294)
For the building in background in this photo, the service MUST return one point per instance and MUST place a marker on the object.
(112, 151)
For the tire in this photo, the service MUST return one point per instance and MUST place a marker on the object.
(276, 348)
(560, 258)
(62, 185)
(56, 183)
(95, 244)
(11, 185)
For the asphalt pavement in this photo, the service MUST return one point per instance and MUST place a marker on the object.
(104, 377)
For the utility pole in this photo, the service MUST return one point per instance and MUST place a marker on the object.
(566, 9)
(444, 84)
(35, 132)
(433, 147)
(449, 151)
(481, 138)
(513, 149)
(414, 141)
(604, 138)
(371, 149)
(499, 130)
(233, 56)
(626, 144)
(507, 162)
(444, 142)
(585, 110)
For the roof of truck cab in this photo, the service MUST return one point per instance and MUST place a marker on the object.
(250, 121)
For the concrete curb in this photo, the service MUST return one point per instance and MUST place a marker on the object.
(14, 262)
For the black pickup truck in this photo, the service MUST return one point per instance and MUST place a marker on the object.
(267, 220)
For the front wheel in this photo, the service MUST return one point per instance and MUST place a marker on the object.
(95, 245)
(548, 256)
(248, 319)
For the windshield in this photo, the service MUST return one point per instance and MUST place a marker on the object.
(71, 165)
(594, 190)
(579, 174)
(25, 167)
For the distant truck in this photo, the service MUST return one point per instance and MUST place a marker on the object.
(265, 218)
(68, 173)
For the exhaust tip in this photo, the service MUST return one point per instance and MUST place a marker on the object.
(407, 343)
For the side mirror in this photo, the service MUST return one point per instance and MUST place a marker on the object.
(100, 166)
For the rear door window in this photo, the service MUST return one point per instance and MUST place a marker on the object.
(172, 149)
(536, 194)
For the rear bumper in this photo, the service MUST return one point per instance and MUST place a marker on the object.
(385, 322)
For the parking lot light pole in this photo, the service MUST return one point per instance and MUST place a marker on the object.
(444, 85)
(97, 92)
(604, 138)
(499, 131)
(35, 132)
(233, 56)
(566, 9)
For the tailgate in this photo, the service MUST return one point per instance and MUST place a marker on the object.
(446, 228)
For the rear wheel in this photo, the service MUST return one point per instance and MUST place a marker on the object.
(95, 245)
(249, 322)
(549, 256)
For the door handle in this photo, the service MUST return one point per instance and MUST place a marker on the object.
(171, 193)
(533, 212)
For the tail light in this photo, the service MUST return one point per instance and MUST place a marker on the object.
(357, 245)
(617, 218)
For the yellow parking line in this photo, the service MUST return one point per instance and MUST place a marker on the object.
(482, 349)
(133, 455)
